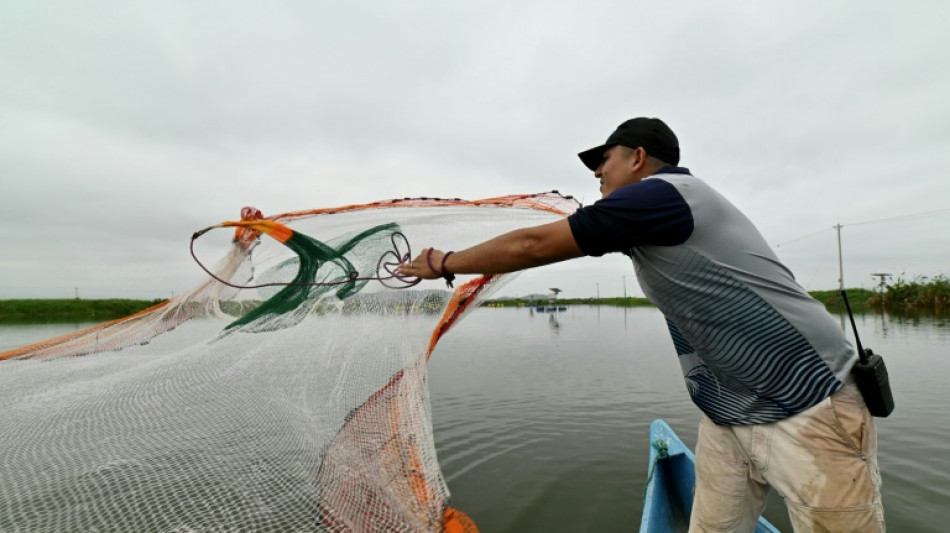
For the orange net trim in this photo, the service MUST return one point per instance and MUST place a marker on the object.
(527, 201)
(17, 352)
(458, 304)
(455, 521)
(373, 459)
(278, 231)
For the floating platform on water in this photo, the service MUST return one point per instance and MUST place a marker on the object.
(549, 309)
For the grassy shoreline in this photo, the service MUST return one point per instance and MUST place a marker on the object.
(919, 295)
(858, 298)
(67, 310)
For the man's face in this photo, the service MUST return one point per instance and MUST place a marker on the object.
(617, 169)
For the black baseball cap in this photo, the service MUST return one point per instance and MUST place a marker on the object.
(652, 134)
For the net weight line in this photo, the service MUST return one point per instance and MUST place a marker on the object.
(385, 266)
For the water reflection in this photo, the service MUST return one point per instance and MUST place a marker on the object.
(883, 324)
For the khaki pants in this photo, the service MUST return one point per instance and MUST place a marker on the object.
(822, 461)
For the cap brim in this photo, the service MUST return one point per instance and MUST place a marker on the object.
(595, 156)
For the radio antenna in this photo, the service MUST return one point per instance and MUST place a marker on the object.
(857, 339)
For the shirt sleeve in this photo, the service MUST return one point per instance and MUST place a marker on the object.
(649, 212)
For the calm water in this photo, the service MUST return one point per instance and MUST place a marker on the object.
(541, 422)
(16, 335)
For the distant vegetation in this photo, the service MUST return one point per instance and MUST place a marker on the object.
(920, 295)
(69, 309)
(901, 297)
(617, 302)
(858, 299)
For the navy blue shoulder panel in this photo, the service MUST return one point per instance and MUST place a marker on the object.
(649, 212)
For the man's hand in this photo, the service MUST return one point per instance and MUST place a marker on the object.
(426, 265)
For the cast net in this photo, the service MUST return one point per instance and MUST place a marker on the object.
(298, 405)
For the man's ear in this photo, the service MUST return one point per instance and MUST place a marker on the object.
(637, 159)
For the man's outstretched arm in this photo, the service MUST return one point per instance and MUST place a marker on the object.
(516, 250)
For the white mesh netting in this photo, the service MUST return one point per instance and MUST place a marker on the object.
(215, 412)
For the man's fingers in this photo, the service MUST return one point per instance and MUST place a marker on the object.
(418, 266)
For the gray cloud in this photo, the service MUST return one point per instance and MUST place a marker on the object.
(125, 127)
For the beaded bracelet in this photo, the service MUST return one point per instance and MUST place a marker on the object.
(449, 278)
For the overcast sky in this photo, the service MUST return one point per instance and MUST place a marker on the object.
(126, 126)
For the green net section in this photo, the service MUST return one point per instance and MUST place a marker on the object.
(285, 408)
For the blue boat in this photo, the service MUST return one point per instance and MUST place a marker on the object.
(669, 490)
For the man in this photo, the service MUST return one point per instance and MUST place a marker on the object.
(766, 364)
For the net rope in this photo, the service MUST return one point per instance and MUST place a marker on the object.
(300, 405)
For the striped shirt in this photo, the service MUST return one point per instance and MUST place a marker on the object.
(754, 347)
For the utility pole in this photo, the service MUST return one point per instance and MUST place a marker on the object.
(883, 276)
(598, 291)
(624, 287)
(840, 262)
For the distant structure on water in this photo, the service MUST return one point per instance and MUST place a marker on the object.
(552, 306)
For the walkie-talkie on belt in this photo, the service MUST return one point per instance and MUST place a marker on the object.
(870, 374)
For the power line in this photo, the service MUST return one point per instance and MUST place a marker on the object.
(866, 222)
(901, 217)
(804, 237)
